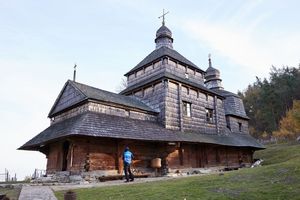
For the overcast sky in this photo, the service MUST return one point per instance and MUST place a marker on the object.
(41, 40)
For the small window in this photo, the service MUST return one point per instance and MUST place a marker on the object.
(206, 97)
(240, 126)
(209, 115)
(187, 109)
(165, 61)
(228, 123)
(186, 75)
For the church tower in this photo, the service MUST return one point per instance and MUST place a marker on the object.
(212, 77)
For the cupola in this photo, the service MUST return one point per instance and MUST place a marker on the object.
(164, 35)
(212, 77)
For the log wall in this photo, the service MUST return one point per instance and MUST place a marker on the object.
(165, 65)
(90, 154)
(54, 158)
(154, 97)
(234, 124)
(175, 119)
(106, 109)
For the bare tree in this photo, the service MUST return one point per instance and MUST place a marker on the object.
(122, 86)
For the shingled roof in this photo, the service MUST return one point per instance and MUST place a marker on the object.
(85, 92)
(170, 76)
(161, 52)
(233, 104)
(109, 126)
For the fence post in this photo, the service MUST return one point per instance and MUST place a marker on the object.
(6, 175)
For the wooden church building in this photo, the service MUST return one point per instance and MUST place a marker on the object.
(171, 109)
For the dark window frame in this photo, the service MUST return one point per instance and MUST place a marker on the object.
(240, 126)
(209, 113)
(187, 109)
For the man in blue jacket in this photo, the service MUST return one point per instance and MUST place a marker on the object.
(127, 159)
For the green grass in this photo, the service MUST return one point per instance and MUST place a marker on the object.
(279, 178)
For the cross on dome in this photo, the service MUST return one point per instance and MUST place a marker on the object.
(163, 16)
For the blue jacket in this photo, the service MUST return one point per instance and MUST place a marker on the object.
(127, 157)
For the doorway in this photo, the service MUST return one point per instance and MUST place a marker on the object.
(66, 145)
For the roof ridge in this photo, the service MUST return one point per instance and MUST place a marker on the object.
(138, 104)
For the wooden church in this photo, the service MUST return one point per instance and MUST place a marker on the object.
(171, 109)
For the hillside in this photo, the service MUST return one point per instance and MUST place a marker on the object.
(278, 178)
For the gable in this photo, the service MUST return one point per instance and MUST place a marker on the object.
(68, 97)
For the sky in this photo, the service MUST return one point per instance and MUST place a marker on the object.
(40, 41)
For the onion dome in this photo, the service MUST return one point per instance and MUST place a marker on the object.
(164, 37)
(212, 77)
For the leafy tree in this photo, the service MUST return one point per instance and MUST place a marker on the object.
(290, 124)
(267, 101)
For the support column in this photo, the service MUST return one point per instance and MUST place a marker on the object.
(216, 114)
(180, 107)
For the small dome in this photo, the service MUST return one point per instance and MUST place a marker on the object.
(163, 31)
(164, 37)
(212, 77)
(212, 72)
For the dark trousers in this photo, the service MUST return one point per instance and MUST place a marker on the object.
(127, 171)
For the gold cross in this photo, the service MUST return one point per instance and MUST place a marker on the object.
(163, 16)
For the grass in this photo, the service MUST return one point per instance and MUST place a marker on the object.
(279, 178)
(11, 193)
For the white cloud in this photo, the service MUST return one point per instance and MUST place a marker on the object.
(234, 44)
(244, 42)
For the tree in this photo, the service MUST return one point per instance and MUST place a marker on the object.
(290, 124)
(123, 85)
(267, 101)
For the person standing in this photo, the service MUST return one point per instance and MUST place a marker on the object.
(127, 160)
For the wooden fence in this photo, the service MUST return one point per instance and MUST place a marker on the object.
(6, 177)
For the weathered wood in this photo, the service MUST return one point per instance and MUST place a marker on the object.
(106, 154)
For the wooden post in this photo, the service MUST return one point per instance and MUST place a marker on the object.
(72, 152)
(119, 157)
(226, 156)
(180, 108)
(216, 114)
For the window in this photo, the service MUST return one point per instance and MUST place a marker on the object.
(165, 61)
(240, 126)
(186, 75)
(228, 123)
(209, 115)
(187, 109)
(206, 97)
